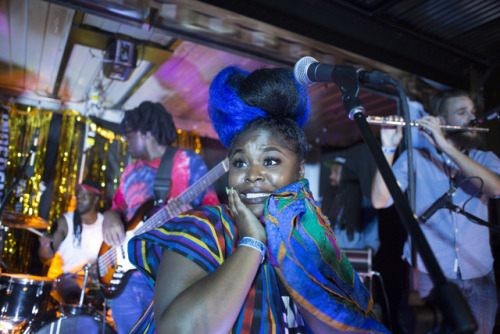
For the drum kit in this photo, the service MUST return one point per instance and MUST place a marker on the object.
(28, 303)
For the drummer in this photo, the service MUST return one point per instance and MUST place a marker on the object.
(74, 243)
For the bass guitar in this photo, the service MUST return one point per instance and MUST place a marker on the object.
(113, 265)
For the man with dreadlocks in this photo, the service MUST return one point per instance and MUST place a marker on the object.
(150, 131)
(75, 242)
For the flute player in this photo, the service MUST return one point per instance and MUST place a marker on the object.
(452, 161)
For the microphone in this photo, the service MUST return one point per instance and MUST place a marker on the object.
(30, 169)
(438, 204)
(308, 71)
(487, 117)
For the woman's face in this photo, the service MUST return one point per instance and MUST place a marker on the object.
(260, 165)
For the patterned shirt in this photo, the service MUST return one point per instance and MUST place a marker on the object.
(137, 182)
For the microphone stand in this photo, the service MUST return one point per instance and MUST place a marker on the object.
(471, 217)
(445, 296)
(86, 268)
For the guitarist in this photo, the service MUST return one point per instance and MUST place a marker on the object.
(149, 130)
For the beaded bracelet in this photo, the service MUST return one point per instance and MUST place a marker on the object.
(255, 244)
(389, 150)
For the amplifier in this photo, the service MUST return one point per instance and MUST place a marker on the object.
(361, 260)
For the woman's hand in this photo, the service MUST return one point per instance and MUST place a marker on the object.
(247, 223)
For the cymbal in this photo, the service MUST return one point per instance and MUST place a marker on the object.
(19, 220)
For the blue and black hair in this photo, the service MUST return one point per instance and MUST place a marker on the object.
(268, 98)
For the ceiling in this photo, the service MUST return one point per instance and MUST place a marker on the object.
(52, 52)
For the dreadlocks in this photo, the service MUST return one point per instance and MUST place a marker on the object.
(152, 117)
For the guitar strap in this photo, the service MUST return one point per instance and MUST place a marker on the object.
(163, 179)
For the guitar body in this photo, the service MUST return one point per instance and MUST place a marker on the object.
(114, 268)
(113, 265)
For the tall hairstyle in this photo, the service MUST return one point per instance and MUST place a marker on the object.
(439, 103)
(269, 98)
(153, 117)
(77, 219)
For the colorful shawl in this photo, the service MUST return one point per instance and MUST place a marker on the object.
(317, 273)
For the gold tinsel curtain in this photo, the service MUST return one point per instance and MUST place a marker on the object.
(84, 151)
(189, 140)
(68, 163)
(23, 123)
(104, 160)
(104, 153)
(103, 150)
(18, 244)
(79, 137)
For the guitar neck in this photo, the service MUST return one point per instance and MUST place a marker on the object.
(187, 196)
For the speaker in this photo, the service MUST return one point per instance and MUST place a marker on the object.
(120, 59)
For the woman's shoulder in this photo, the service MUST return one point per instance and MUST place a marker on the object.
(203, 234)
(214, 218)
(206, 210)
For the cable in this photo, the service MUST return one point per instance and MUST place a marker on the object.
(476, 193)
(386, 299)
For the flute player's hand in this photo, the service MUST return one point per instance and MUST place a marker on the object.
(431, 129)
(390, 136)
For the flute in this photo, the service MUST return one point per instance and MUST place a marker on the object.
(378, 120)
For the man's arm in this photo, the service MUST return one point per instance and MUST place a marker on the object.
(50, 244)
(490, 181)
(390, 138)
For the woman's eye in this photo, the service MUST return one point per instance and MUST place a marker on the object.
(238, 163)
(271, 161)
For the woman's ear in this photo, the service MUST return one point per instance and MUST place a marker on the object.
(302, 169)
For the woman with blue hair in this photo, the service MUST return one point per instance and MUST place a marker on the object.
(267, 262)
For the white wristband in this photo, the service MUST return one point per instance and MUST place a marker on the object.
(388, 150)
(255, 244)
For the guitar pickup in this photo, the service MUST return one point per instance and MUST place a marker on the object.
(118, 274)
(115, 281)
